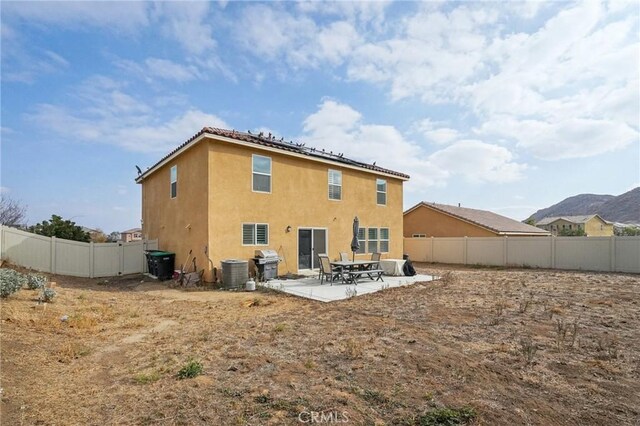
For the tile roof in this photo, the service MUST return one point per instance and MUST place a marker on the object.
(271, 142)
(486, 219)
(572, 219)
(131, 231)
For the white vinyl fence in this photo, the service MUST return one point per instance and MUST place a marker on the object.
(65, 257)
(615, 254)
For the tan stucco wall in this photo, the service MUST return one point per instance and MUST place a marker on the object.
(598, 228)
(593, 228)
(298, 198)
(424, 220)
(215, 197)
(180, 224)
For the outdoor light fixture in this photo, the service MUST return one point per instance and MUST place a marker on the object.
(289, 228)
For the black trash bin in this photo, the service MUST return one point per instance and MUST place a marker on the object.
(161, 264)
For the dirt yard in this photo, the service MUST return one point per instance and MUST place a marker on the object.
(509, 346)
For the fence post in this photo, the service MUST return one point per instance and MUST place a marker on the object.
(91, 259)
(553, 252)
(1, 241)
(431, 255)
(464, 250)
(120, 258)
(53, 255)
(505, 248)
(612, 254)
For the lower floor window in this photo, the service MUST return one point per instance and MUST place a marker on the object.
(373, 240)
(255, 234)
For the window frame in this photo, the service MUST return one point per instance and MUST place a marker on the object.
(387, 240)
(378, 192)
(339, 172)
(254, 242)
(362, 242)
(376, 240)
(172, 182)
(253, 173)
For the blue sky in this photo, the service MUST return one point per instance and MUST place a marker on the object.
(509, 107)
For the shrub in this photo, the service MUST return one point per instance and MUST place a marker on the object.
(10, 282)
(47, 295)
(190, 370)
(36, 281)
(446, 416)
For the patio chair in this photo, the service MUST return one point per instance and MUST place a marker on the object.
(344, 257)
(326, 271)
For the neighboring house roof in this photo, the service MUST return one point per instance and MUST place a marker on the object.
(89, 230)
(492, 221)
(131, 231)
(572, 219)
(273, 143)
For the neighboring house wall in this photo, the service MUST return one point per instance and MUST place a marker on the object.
(215, 197)
(594, 227)
(597, 227)
(431, 223)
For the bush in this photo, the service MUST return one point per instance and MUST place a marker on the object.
(190, 370)
(446, 417)
(10, 282)
(35, 281)
(47, 295)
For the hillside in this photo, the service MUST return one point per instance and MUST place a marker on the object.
(624, 208)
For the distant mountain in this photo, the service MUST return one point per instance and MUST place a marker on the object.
(623, 208)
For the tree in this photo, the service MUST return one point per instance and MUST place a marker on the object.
(627, 231)
(98, 236)
(578, 232)
(60, 228)
(12, 213)
(113, 237)
(531, 221)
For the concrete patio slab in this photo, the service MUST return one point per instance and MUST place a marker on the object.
(310, 287)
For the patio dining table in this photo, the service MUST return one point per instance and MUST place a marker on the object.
(353, 265)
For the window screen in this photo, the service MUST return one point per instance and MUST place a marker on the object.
(261, 173)
(335, 185)
(173, 190)
(381, 191)
(372, 243)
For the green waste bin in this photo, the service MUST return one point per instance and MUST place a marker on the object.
(161, 264)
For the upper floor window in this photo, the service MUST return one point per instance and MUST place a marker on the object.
(261, 173)
(335, 185)
(381, 191)
(174, 182)
(255, 234)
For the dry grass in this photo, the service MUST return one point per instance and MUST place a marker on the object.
(483, 345)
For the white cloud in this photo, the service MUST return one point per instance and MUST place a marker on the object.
(274, 34)
(339, 128)
(437, 133)
(107, 114)
(187, 23)
(479, 162)
(571, 138)
(126, 16)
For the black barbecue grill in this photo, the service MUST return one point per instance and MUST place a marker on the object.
(267, 263)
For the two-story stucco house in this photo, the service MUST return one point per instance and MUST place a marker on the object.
(236, 192)
(592, 225)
